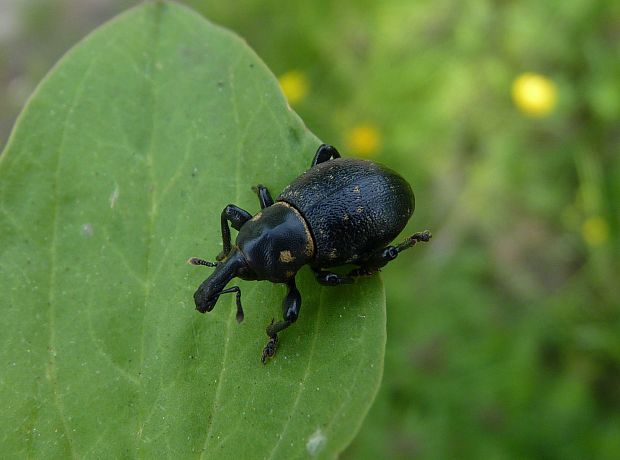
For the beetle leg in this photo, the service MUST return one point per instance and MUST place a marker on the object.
(424, 236)
(237, 300)
(263, 196)
(381, 258)
(324, 153)
(290, 307)
(237, 218)
(330, 278)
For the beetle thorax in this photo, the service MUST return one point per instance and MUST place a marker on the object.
(276, 243)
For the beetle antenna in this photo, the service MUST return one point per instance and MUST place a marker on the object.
(198, 261)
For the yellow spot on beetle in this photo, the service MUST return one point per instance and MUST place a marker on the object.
(534, 94)
(257, 217)
(286, 257)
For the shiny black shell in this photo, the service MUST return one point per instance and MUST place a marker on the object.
(275, 243)
(352, 207)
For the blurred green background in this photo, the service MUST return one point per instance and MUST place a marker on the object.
(504, 332)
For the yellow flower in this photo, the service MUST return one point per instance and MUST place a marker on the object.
(363, 139)
(294, 85)
(595, 231)
(534, 94)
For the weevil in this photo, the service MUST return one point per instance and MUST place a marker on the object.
(340, 211)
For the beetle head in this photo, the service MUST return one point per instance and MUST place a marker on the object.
(209, 291)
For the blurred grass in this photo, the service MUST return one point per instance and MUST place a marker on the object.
(504, 333)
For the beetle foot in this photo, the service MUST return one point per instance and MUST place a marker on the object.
(270, 349)
(422, 236)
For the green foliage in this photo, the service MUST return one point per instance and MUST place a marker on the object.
(114, 175)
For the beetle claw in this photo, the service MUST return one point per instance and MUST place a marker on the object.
(425, 236)
(270, 349)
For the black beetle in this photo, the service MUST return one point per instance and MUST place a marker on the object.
(340, 211)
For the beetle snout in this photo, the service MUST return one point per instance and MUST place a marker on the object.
(203, 302)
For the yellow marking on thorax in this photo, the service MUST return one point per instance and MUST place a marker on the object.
(286, 257)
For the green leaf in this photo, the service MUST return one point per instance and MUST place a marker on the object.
(115, 174)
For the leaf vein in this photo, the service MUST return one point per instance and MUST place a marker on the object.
(52, 364)
(152, 210)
